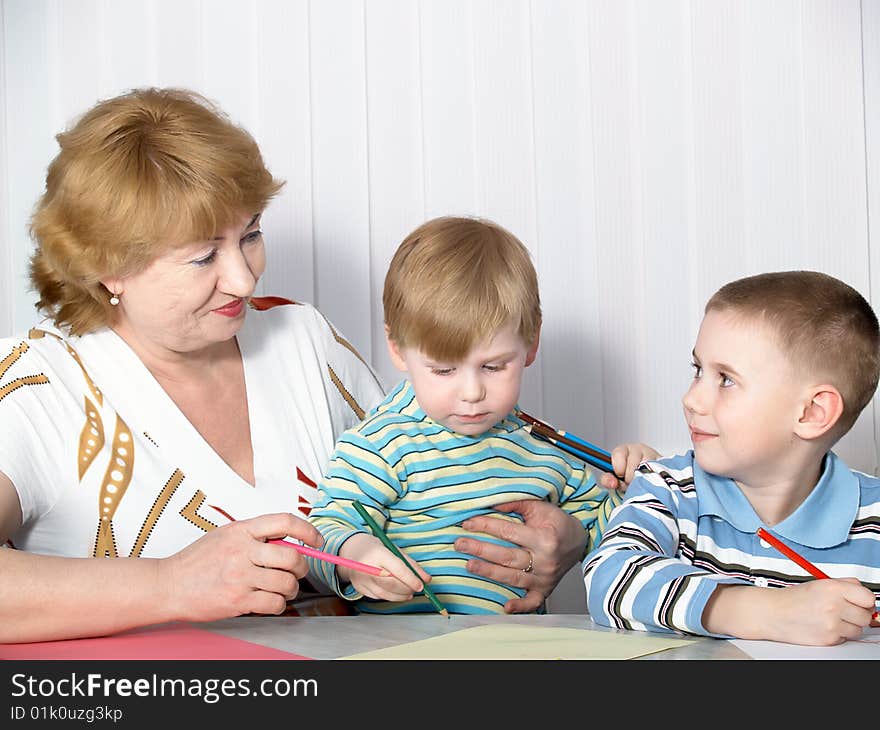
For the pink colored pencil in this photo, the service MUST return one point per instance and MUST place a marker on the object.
(327, 557)
(320, 554)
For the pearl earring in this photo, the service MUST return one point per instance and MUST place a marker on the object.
(114, 300)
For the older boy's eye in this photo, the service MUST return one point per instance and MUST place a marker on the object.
(441, 371)
(493, 368)
(725, 381)
(698, 370)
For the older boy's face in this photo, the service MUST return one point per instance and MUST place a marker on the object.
(744, 401)
(471, 396)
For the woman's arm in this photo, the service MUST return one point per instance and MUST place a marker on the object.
(228, 572)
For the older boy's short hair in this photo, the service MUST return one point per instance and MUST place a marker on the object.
(135, 175)
(455, 281)
(825, 327)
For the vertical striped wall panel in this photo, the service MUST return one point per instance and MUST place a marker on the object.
(340, 167)
(394, 110)
(870, 45)
(6, 261)
(285, 134)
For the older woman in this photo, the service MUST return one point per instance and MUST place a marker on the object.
(160, 397)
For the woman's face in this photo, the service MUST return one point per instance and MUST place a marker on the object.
(195, 295)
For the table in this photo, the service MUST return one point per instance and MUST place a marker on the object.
(331, 637)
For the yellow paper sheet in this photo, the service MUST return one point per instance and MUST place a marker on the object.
(512, 641)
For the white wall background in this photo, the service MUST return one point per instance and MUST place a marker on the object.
(646, 151)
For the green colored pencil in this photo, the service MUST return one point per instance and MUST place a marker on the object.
(377, 531)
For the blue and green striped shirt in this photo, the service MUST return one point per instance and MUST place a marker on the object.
(420, 481)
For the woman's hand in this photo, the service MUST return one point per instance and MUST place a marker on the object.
(550, 542)
(625, 458)
(232, 570)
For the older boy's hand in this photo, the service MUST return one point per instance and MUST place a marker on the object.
(625, 458)
(815, 613)
(550, 542)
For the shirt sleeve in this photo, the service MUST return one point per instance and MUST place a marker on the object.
(589, 503)
(34, 415)
(356, 472)
(633, 579)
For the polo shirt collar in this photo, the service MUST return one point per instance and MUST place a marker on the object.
(823, 519)
(404, 396)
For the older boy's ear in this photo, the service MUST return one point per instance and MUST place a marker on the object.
(533, 350)
(821, 413)
(394, 351)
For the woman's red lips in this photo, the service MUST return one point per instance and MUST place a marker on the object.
(233, 309)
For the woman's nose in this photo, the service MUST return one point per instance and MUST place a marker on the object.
(237, 277)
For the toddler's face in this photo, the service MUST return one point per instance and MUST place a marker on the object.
(471, 396)
(744, 401)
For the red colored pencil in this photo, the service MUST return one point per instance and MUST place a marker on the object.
(320, 554)
(792, 555)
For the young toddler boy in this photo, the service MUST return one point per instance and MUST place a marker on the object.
(784, 363)
(462, 317)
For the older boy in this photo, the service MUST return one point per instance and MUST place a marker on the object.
(462, 317)
(783, 365)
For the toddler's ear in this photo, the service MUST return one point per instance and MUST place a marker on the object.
(533, 350)
(821, 413)
(397, 358)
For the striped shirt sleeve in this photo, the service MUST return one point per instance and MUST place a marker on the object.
(633, 579)
(589, 503)
(356, 471)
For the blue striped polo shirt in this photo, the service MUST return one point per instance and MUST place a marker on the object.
(681, 531)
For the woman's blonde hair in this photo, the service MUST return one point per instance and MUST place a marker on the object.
(136, 175)
(453, 282)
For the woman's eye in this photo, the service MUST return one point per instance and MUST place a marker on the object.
(252, 236)
(725, 381)
(698, 370)
(205, 260)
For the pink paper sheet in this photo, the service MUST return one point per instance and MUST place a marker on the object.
(170, 641)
